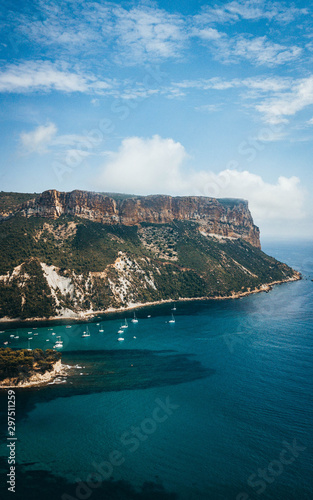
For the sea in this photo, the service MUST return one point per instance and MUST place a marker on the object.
(217, 405)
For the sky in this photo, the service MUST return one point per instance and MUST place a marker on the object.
(170, 97)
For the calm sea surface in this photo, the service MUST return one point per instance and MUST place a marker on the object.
(216, 406)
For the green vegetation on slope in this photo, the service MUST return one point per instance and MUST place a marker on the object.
(159, 261)
(10, 201)
(90, 248)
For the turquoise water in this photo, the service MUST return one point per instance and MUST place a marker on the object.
(189, 410)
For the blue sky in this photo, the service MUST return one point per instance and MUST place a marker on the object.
(180, 97)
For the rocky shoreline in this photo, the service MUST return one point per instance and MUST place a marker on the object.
(89, 315)
(36, 379)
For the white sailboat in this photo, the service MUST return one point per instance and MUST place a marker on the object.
(125, 324)
(120, 339)
(86, 334)
(172, 320)
(134, 320)
(174, 308)
(59, 342)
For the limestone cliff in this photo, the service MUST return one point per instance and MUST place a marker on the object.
(222, 217)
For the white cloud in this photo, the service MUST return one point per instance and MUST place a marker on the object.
(267, 84)
(207, 33)
(251, 10)
(143, 34)
(281, 200)
(58, 31)
(39, 139)
(243, 45)
(215, 83)
(136, 93)
(256, 84)
(45, 76)
(276, 98)
(129, 36)
(156, 165)
(44, 139)
(59, 23)
(276, 109)
(141, 164)
(209, 108)
(259, 51)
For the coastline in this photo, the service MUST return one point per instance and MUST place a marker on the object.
(36, 379)
(266, 287)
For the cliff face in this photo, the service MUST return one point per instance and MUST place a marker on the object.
(224, 217)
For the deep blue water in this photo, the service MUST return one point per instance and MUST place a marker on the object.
(237, 374)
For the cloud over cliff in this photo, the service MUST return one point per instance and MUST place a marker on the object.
(157, 165)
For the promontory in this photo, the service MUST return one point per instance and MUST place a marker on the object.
(79, 253)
